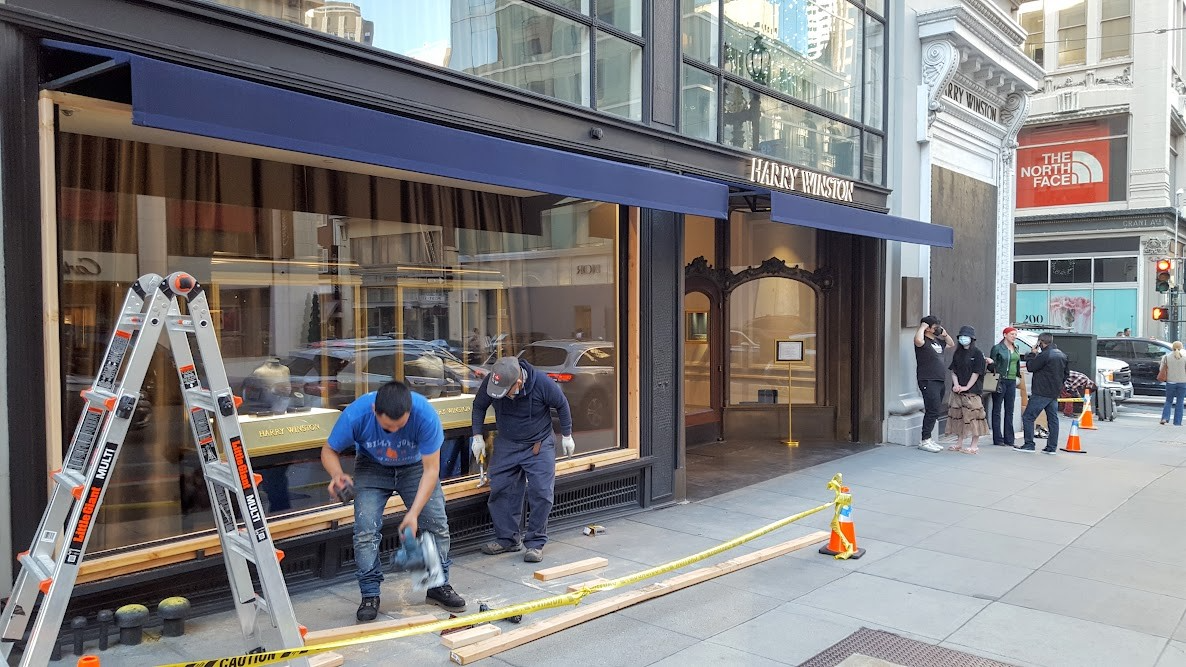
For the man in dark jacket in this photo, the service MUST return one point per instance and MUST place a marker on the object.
(1051, 372)
(524, 457)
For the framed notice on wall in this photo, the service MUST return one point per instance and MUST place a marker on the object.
(790, 350)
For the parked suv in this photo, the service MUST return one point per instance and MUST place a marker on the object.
(1111, 374)
(585, 372)
(1143, 355)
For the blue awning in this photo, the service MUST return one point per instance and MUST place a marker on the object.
(807, 212)
(183, 99)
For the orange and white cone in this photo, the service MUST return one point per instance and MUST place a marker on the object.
(1073, 439)
(835, 545)
(1087, 419)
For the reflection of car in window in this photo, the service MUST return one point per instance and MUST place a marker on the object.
(585, 372)
(1143, 355)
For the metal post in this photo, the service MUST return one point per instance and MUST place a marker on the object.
(1175, 318)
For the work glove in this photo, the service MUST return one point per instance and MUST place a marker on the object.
(477, 445)
(568, 446)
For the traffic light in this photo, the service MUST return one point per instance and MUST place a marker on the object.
(1165, 275)
(1161, 313)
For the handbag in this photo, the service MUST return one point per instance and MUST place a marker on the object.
(992, 382)
(1163, 373)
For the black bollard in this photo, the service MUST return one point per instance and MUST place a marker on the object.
(105, 618)
(173, 611)
(130, 619)
(78, 626)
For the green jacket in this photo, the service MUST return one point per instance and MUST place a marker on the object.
(1000, 359)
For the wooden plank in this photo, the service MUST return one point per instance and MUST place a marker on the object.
(572, 588)
(50, 267)
(351, 631)
(470, 636)
(549, 573)
(591, 610)
(329, 659)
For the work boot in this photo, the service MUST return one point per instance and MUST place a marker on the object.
(368, 610)
(445, 596)
(494, 548)
(533, 555)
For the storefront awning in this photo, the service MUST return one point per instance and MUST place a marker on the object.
(183, 99)
(807, 212)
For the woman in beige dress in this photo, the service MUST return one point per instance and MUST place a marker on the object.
(966, 416)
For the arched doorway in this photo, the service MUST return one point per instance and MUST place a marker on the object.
(703, 381)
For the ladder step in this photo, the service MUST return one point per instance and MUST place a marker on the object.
(70, 479)
(220, 473)
(185, 324)
(131, 322)
(201, 398)
(241, 545)
(100, 397)
(41, 568)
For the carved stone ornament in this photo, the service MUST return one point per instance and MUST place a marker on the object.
(1013, 115)
(821, 280)
(940, 60)
(1155, 248)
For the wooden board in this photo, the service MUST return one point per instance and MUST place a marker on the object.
(549, 573)
(572, 588)
(351, 631)
(470, 636)
(329, 659)
(591, 610)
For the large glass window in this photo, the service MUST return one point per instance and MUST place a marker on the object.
(1116, 29)
(525, 44)
(1072, 33)
(1032, 17)
(1070, 271)
(1078, 295)
(699, 100)
(324, 285)
(800, 79)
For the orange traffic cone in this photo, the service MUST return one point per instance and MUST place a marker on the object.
(88, 661)
(835, 546)
(1087, 419)
(1073, 439)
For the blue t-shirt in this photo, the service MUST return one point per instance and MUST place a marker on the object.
(358, 427)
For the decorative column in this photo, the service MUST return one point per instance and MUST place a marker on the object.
(1013, 115)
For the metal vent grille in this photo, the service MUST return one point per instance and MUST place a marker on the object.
(601, 496)
(897, 650)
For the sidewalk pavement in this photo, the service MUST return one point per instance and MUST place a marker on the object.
(1023, 558)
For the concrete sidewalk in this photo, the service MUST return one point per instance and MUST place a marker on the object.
(1024, 558)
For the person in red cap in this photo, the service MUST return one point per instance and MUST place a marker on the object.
(1005, 360)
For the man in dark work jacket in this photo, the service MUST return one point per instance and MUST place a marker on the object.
(1050, 369)
(524, 457)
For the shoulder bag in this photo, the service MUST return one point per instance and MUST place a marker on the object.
(1163, 373)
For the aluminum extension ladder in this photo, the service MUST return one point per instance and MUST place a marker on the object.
(50, 566)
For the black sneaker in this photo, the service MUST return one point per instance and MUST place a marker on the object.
(1025, 448)
(1048, 450)
(446, 597)
(494, 548)
(368, 610)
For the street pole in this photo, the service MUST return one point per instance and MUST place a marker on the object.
(1174, 315)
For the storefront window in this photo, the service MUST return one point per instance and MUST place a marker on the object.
(1031, 272)
(761, 313)
(1101, 311)
(699, 117)
(701, 30)
(519, 43)
(323, 284)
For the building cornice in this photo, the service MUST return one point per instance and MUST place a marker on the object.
(979, 30)
(1082, 114)
(1099, 216)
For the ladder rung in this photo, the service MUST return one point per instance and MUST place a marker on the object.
(69, 479)
(201, 398)
(131, 322)
(41, 568)
(100, 397)
(241, 545)
(185, 324)
(220, 473)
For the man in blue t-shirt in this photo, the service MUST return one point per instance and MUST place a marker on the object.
(397, 436)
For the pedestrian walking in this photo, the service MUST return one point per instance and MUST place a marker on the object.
(966, 416)
(1051, 372)
(524, 458)
(1005, 361)
(397, 436)
(1173, 366)
(929, 342)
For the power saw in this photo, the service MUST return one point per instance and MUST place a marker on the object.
(420, 558)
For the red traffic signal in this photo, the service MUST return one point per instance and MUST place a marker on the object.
(1160, 313)
(1164, 265)
(1165, 274)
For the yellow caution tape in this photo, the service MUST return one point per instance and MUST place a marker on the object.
(533, 606)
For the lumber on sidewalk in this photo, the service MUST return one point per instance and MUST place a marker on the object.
(570, 568)
(591, 610)
(329, 659)
(352, 631)
(573, 588)
(470, 636)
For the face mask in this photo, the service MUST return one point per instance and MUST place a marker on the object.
(964, 340)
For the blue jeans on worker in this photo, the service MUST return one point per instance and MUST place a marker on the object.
(1002, 425)
(1038, 404)
(373, 485)
(1175, 394)
(516, 471)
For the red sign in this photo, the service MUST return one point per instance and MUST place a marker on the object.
(1063, 165)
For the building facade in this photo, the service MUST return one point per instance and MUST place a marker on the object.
(1098, 185)
(679, 209)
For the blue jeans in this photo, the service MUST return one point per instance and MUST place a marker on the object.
(373, 485)
(1038, 404)
(1006, 395)
(1175, 394)
(515, 472)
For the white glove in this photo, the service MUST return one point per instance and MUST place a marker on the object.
(477, 445)
(567, 445)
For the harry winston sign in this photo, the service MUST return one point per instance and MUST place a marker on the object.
(785, 177)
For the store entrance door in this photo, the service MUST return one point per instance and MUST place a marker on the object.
(703, 369)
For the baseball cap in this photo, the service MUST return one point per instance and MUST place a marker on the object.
(505, 373)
